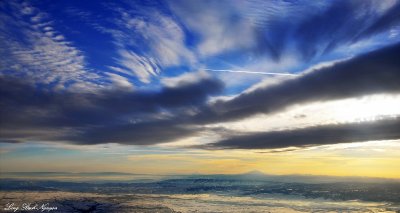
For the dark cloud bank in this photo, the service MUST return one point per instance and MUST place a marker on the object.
(376, 72)
(32, 113)
(319, 135)
(138, 117)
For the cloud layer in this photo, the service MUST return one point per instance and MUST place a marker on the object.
(181, 108)
(376, 72)
(319, 135)
(27, 109)
(136, 72)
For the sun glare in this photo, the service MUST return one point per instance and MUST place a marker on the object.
(351, 110)
(368, 108)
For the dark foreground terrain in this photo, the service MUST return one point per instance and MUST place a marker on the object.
(199, 193)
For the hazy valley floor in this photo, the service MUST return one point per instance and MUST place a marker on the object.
(94, 202)
(250, 192)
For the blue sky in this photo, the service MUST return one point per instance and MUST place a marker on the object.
(138, 43)
(198, 74)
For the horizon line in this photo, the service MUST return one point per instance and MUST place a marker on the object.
(204, 174)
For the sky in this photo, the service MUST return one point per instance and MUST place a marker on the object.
(186, 86)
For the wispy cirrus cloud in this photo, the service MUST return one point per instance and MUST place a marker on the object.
(182, 109)
(120, 82)
(218, 24)
(140, 66)
(162, 35)
(275, 28)
(240, 34)
(36, 50)
(137, 45)
(148, 41)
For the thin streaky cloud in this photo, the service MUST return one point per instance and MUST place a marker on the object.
(127, 73)
(253, 72)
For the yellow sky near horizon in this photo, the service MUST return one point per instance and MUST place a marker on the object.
(371, 159)
(361, 159)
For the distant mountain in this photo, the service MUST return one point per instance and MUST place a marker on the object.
(256, 175)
